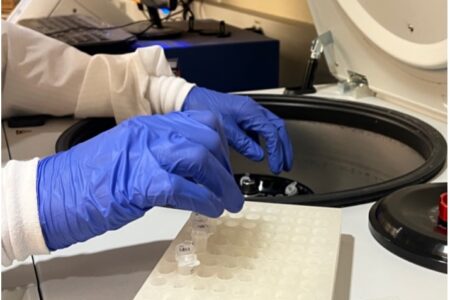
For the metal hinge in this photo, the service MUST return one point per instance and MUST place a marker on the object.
(356, 86)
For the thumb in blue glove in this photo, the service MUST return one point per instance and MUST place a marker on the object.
(241, 114)
(178, 160)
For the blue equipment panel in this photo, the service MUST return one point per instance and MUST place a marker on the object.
(243, 61)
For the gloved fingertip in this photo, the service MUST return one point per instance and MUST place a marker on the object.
(256, 153)
(234, 200)
(287, 168)
(275, 165)
(213, 208)
(288, 165)
(287, 150)
(237, 205)
(213, 213)
(275, 172)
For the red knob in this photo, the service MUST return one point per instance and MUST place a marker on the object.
(443, 208)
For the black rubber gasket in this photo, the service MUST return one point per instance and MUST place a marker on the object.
(402, 223)
(82, 131)
(420, 136)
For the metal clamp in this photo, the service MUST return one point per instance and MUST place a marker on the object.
(356, 86)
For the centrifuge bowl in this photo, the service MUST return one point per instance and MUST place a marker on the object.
(346, 152)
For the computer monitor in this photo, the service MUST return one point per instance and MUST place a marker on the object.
(104, 10)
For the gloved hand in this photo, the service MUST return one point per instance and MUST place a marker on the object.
(178, 160)
(240, 114)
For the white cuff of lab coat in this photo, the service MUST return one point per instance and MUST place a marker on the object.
(21, 230)
(167, 93)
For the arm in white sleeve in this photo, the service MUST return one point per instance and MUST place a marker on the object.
(44, 76)
(21, 230)
(41, 75)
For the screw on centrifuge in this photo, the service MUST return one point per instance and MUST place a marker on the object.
(186, 257)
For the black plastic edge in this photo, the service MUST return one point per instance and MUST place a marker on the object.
(417, 134)
(71, 135)
(377, 231)
(422, 137)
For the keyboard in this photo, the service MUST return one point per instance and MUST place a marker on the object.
(83, 32)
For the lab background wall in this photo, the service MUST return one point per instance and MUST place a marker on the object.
(288, 21)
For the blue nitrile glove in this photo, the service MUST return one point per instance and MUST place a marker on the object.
(177, 160)
(240, 114)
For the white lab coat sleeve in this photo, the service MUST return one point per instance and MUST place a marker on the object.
(21, 230)
(44, 76)
(41, 75)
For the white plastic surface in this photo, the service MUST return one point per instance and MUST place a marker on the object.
(19, 281)
(423, 55)
(267, 251)
(390, 63)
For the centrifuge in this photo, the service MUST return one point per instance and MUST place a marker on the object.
(380, 129)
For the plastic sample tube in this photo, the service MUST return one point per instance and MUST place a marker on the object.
(198, 218)
(200, 234)
(202, 228)
(186, 257)
(291, 189)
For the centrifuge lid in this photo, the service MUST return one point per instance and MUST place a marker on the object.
(399, 46)
(406, 223)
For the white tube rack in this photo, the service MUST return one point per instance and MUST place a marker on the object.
(267, 251)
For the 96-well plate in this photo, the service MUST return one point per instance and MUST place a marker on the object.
(267, 251)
